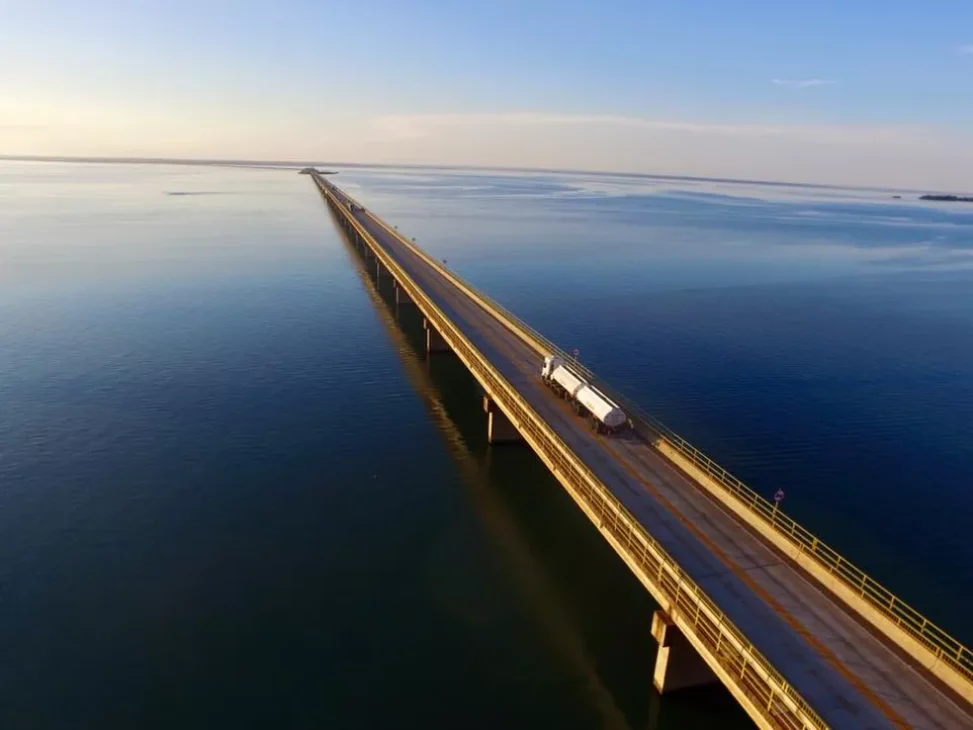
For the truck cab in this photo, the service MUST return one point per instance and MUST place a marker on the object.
(551, 363)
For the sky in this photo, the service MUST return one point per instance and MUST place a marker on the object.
(858, 92)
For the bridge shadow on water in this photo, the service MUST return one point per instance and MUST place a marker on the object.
(589, 610)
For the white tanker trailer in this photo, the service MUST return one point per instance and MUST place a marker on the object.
(601, 412)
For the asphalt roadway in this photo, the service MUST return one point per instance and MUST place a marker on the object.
(851, 677)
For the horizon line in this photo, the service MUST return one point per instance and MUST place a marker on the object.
(289, 164)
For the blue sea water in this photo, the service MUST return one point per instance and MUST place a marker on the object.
(234, 492)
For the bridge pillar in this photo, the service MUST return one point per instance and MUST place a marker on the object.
(499, 428)
(434, 340)
(401, 296)
(378, 269)
(677, 665)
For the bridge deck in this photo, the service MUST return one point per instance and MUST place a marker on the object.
(851, 677)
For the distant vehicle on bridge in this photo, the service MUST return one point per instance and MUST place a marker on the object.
(603, 415)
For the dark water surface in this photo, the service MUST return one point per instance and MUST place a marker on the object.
(234, 493)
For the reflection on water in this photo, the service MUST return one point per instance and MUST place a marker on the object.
(497, 481)
(819, 340)
(233, 484)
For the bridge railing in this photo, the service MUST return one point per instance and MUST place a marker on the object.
(946, 648)
(764, 687)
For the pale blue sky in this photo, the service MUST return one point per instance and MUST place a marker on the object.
(853, 91)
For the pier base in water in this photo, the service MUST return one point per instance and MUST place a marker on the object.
(677, 665)
(434, 340)
(401, 297)
(499, 428)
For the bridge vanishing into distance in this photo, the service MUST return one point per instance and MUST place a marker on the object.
(799, 636)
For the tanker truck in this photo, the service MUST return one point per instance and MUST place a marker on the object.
(601, 413)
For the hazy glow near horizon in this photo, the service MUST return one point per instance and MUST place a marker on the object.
(819, 92)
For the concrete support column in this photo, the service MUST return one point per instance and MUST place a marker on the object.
(434, 340)
(378, 269)
(401, 296)
(499, 428)
(677, 665)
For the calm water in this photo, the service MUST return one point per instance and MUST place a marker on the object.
(233, 492)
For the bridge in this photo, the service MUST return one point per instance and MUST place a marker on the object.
(798, 635)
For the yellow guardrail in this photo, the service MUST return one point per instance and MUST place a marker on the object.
(769, 698)
(945, 647)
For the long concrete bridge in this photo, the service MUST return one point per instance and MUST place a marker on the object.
(799, 636)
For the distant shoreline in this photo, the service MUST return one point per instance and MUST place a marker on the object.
(947, 198)
(331, 164)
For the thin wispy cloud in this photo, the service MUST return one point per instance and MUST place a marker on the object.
(433, 126)
(802, 83)
(903, 155)
(966, 50)
(22, 127)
